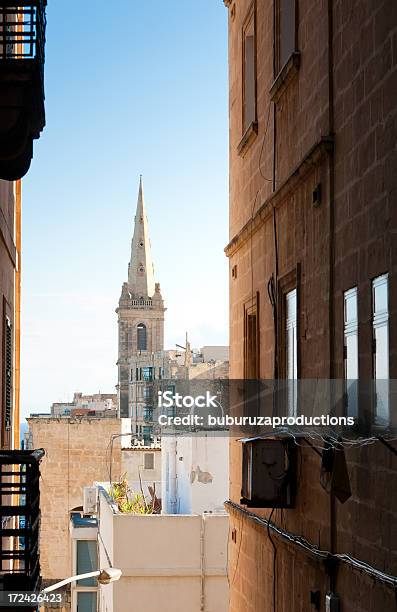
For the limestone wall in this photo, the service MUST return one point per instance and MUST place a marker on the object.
(77, 454)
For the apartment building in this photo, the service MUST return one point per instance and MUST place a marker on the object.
(313, 277)
(22, 118)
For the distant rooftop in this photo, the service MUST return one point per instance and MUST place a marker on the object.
(79, 415)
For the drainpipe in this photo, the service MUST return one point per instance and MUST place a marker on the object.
(16, 443)
(331, 128)
(202, 564)
(172, 475)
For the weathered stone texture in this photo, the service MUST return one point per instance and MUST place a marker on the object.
(77, 454)
(345, 241)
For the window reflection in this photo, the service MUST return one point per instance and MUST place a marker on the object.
(380, 322)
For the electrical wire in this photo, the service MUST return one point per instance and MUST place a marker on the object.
(305, 545)
(109, 452)
(274, 561)
(256, 196)
(238, 552)
(263, 146)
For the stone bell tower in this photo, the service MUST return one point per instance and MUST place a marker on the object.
(141, 307)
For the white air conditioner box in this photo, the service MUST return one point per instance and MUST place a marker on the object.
(90, 497)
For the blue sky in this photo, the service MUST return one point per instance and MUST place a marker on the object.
(140, 90)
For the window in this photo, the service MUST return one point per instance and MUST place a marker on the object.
(291, 349)
(171, 411)
(251, 358)
(148, 461)
(147, 433)
(87, 561)
(285, 32)
(148, 393)
(350, 350)
(249, 70)
(141, 337)
(380, 336)
(147, 373)
(148, 413)
(86, 601)
(251, 338)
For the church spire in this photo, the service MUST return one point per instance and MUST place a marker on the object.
(140, 268)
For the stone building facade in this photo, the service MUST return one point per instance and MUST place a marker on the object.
(163, 365)
(10, 268)
(96, 404)
(313, 223)
(140, 310)
(78, 452)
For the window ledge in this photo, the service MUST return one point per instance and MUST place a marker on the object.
(285, 76)
(249, 136)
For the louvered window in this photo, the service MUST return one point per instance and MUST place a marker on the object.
(350, 350)
(291, 350)
(8, 374)
(380, 349)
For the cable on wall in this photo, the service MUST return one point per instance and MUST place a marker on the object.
(274, 561)
(315, 551)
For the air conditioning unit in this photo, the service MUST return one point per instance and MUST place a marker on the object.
(268, 473)
(90, 500)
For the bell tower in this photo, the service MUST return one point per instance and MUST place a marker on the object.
(141, 307)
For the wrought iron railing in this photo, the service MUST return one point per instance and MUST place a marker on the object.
(20, 520)
(22, 32)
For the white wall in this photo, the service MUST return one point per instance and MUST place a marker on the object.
(133, 465)
(200, 463)
(174, 563)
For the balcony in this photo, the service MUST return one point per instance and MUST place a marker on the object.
(20, 520)
(22, 114)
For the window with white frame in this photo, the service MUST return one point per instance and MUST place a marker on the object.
(85, 591)
(86, 560)
(350, 350)
(291, 350)
(380, 350)
(86, 601)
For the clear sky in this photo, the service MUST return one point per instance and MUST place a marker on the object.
(139, 90)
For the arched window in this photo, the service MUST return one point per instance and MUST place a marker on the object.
(141, 337)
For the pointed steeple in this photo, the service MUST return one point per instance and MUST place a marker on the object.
(140, 269)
